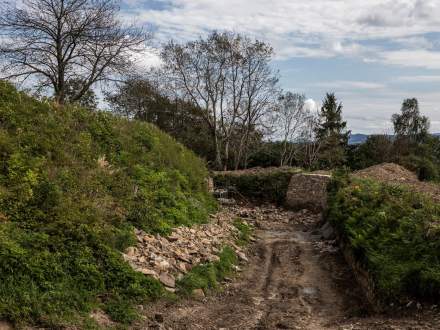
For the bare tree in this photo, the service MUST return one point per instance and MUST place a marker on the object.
(261, 93)
(309, 141)
(57, 41)
(228, 77)
(292, 122)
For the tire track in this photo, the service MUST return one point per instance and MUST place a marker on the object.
(287, 284)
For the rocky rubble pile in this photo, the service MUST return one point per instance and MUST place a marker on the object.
(395, 174)
(270, 216)
(169, 258)
(389, 173)
(257, 215)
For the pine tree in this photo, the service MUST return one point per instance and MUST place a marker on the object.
(332, 133)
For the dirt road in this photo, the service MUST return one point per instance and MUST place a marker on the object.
(293, 280)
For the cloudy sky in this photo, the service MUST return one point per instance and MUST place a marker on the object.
(372, 54)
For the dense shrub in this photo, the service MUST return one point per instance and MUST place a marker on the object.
(424, 167)
(72, 185)
(267, 185)
(393, 232)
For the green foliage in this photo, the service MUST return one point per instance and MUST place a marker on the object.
(244, 232)
(140, 99)
(267, 155)
(207, 276)
(424, 167)
(73, 183)
(393, 232)
(88, 100)
(270, 185)
(377, 149)
(409, 124)
(121, 310)
(332, 133)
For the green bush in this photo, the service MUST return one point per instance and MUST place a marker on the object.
(207, 276)
(393, 232)
(270, 186)
(73, 184)
(425, 168)
(244, 232)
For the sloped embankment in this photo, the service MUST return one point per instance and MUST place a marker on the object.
(391, 232)
(73, 185)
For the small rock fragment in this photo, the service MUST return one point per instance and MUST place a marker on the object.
(167, 280)
(242, 256)
(198, 294)
(131, 251)
(147, 271)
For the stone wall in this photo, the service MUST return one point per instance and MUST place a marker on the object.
(308, 191)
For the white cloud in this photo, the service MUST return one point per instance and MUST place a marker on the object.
(390, 32)
(319, 28)
(415, 42)
(372, 113)
(147, 59)
(349, 85)
(413, 58)
(419, 78)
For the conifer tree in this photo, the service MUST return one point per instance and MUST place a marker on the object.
(332, 133)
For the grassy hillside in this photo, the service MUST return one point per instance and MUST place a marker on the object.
(393, 232)
(73, 183)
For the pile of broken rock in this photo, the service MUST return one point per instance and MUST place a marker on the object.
(169, 258)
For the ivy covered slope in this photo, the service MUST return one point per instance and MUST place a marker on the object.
(73, 183)
(394, 233)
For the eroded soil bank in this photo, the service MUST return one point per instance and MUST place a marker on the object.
(294, 280)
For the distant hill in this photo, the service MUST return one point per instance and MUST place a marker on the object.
(357, 138)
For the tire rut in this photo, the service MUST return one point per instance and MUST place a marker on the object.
(287, 284)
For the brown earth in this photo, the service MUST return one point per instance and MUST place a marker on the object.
(395, 174)
(294, 280)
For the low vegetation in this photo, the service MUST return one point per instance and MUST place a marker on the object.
(393, 232)
(73, 184)
(207, 276)
(269, 185)
(244, 232)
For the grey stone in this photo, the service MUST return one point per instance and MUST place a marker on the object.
(327, 231)
(167, 280)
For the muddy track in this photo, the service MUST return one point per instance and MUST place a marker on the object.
(288, 284)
